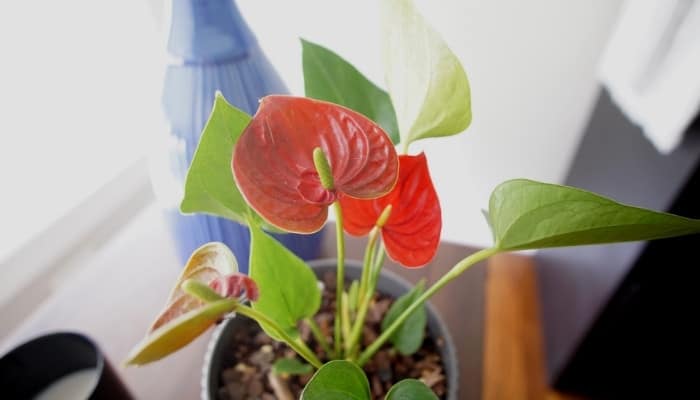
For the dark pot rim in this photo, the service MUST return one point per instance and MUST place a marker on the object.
(389, 283)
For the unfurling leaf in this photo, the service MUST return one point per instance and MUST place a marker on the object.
(273, 162)
(186, 317)
(426, 81)
(410, 389)
(337, 380)
(327, 76)
(289, 287)
(291, 366)
(530, 215)
(409, 337)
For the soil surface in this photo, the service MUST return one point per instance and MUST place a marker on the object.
(249, 375)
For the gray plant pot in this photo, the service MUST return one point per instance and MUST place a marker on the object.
(219, 349)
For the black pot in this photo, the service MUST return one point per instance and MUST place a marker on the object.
(220, 349)
(31, 367)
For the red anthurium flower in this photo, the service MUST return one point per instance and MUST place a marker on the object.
(274, 166)
(412, 233)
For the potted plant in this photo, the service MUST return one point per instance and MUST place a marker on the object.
(284, 167)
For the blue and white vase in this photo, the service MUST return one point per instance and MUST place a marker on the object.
(210, 48)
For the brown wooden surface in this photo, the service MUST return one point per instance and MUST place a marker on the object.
(514, 365)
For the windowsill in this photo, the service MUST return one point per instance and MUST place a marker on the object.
(40, 267)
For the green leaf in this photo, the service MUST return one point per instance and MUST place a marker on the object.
(530, 215)
(337, 380)
(328, 77)
(185, 317)
(178, 332)
(411, 389)
(209, 186)
(426, 81)
(291, 366)
(409, 337)
(288, 287)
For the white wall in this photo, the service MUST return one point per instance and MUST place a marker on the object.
(532, 69)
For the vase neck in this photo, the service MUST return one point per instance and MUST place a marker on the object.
(208, 31)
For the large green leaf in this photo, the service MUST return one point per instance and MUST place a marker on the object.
(288, 287)
(327, 76)
(409, 337)
(426, 81)
(209, 186)
(337, 380)
(410, 389)
(526, 214)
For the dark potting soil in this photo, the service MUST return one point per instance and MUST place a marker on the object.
(249, 375)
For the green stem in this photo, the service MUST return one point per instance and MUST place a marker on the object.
(316, 331)
(297, 345)
(458, 269)
(340, 279)
(371, 268)
(367, 264)
(377, 266)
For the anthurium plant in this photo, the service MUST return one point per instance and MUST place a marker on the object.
(283, 168)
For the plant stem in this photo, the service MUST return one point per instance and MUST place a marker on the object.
(340, 280)
(367, 264)
(372, 268)
(316, 331)
(458, 269)
(297, 345)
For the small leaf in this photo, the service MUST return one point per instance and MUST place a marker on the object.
(178, 332)
(209, 186)
(291, 366)
(409, 337)
(207, 263)
(426, 81)
(186, 317)
(531, 215)
(337, 380)
(411, 389)
(273, 162)
(329, 77)
(288, 287)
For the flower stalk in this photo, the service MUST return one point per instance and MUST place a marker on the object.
(457, 270)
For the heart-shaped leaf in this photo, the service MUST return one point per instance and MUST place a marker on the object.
(178, 332)
(426, 81)
(274, 167)
(185, 317)
(209, 186)
(327, 76)
(411, 389)
(337, 380)
(409, 337)
(288, 287)
(530, 215)
(291, 366)
(412, 232)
